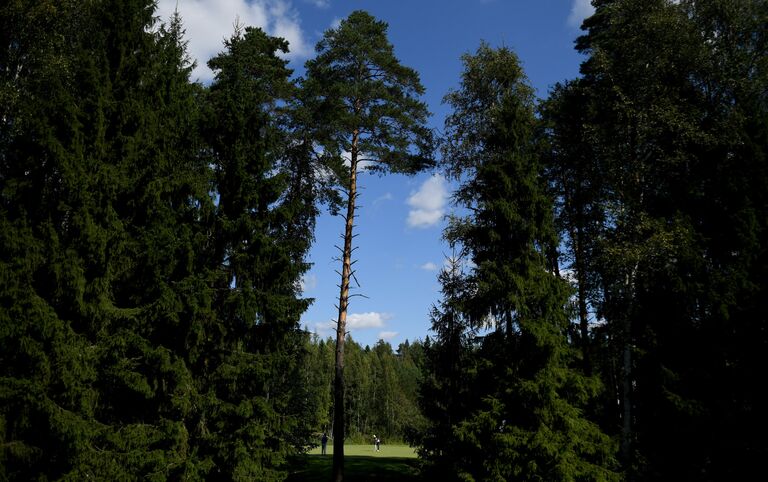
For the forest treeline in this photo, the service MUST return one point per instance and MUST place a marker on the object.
(603, 314)
(382, 389)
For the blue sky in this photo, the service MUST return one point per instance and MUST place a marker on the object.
(399, 245)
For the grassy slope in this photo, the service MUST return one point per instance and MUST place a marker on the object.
(361, 463)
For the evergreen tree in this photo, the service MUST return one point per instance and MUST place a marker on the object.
(678, 123)
(526, 421)
(365, 103)
(319, 379)
(444, 392)
(575, 177)
(112, 185)
(252, 349)
(407, 419)
(149, 274)
(46, 366)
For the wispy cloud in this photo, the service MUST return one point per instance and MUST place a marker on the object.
(384, 197)
(320, 3)
(371, 319)
(429, 266)
(428, 203)
(308, 282)
(355, 321)
(209, 22)
(319, 328)
(580, 9)
(387, 335)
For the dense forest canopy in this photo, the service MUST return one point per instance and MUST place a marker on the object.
(602, 315)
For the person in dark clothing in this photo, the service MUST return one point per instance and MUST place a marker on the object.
(324, 442)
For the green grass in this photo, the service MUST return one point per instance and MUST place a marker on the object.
(361, 463)
(400, 451)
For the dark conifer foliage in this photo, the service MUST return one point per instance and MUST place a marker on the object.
(670, 116)
(579, 194)
(99, 220)
(522, 418)
(445, 394)
(251, 351)
(153, 236)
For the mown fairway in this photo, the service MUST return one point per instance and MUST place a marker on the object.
(361, 463)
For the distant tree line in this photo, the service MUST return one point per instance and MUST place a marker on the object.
(381, 389)
(603, 315)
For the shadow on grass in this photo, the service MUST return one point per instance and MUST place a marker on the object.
(316, 468)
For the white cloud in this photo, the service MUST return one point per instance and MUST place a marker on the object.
(320, 325)
(362, 163)
(429, 266)
(336, 23)
(323, 330)
(428, 203)
(371, 319)
(385, 197)
(387, 335)
(355, 321)
(308, 282)
(209, 22)
(580, 9)
(320, 3)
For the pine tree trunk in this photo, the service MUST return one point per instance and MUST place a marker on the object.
(346, 272)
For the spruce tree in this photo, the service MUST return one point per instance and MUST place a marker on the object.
(362, 102)
(250, 356)
(47, 366)
(444, 391)
(149, 273)
(526, 421)
(106, 215)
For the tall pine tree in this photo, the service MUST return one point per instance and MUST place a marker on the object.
(362, 102)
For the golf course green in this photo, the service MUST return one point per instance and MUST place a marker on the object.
(361, 463)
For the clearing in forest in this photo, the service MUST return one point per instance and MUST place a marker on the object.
(361, 463)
